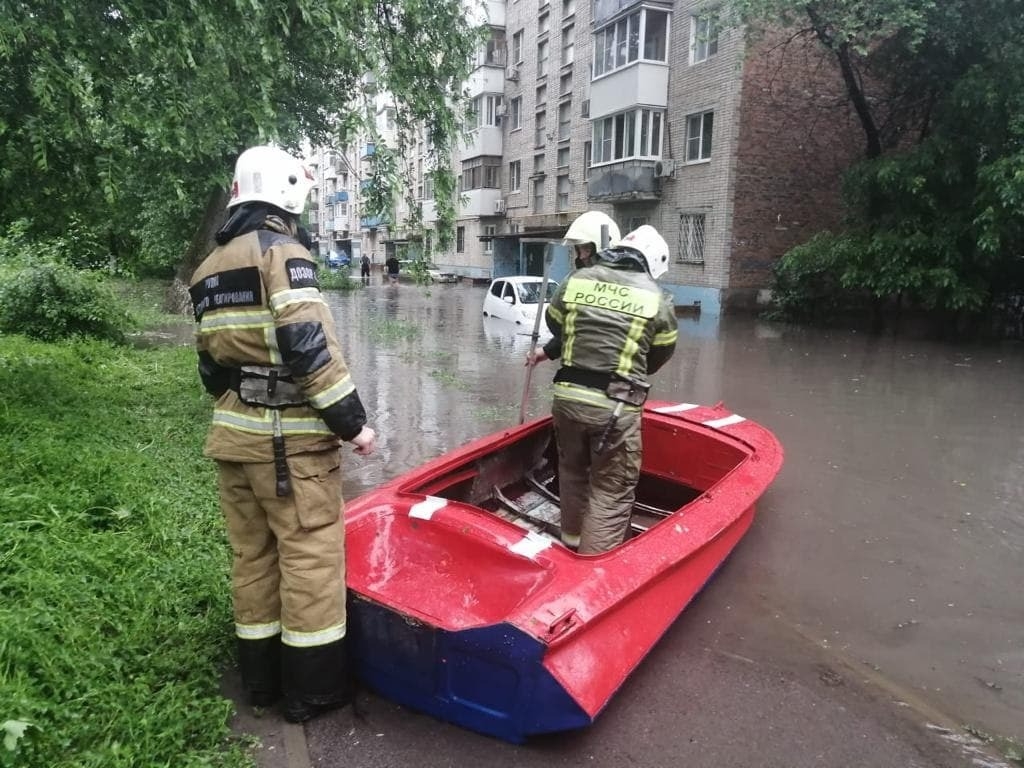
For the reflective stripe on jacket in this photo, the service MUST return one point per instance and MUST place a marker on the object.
(610, 320)
(257, 302)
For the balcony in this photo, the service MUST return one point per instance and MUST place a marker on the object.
(373, 222)
(336, 197)
(485, 140)
(429, 211)
(369, 150)
(624, 182)
(641, 84)
(479, 202)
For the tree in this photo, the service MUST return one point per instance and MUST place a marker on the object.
(127, 114)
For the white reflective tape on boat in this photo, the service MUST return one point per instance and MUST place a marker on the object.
(425, 509)
(531, 544)
(718, 423)
(676, 408)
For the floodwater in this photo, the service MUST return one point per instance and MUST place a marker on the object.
(894, 536)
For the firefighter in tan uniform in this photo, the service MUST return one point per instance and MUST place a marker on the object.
(612, 327)
(284, 402)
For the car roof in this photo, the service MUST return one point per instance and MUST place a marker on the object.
(522, 279)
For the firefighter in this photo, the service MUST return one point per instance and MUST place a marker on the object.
(284, 402)
(612, 327)
(584, 235)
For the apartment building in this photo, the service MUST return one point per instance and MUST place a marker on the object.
(649, 111)
(332, 210)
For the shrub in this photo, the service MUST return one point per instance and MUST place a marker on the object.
(51, 301)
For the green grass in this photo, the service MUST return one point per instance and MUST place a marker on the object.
(115, 618)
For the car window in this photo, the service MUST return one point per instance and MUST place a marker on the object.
(496, 288)
(509, 291)
(529, 293)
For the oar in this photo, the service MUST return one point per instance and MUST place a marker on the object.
(536, 333)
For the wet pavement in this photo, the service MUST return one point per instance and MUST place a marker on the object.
(873, 615)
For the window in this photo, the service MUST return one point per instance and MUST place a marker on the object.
(542, 58)
(543, 24)
(517, 47)
(481, 173)
(587, 150)
(484, 110)
(636, 133)
(565, 84)
(641, 34)
(568, 45)
(538, 165)
(538, 195)
(562, 200)
(691, 238)
(564, 120)
(515, 174)
(540, 129)
(563, 157)
(568, 7)
(703, 38)
(428, 186)
(542, 94)
(699, 129)
(460, 239)
(494, 49)
(489, 232)
(515, 117)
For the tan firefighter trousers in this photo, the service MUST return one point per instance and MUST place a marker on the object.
(289, 563)
(597, 490)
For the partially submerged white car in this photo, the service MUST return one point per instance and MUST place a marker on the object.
(517, 299)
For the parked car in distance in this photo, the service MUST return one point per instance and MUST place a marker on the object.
(517, 298)
(441, 276)
(337, 259)
(409, 267)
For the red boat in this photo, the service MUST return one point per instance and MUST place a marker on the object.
(464, 604)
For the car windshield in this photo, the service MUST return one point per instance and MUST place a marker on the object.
(529, 293)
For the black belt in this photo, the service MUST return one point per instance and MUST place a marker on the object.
(583, 377)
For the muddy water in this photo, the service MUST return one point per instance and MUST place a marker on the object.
(895, 533)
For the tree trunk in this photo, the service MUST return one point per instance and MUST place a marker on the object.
(177, 299)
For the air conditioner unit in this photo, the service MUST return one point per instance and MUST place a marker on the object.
(512, 74)
(499, 205)
(664, 168)
(585, 109)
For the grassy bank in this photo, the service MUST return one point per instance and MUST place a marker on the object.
(114, 603)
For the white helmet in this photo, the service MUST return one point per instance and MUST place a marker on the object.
(587, 229)
(271, 175)
(646, 242)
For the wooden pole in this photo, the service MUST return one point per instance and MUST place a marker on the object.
(536, 331)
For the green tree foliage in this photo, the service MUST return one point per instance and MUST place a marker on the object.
(935, 215)
(126, 114)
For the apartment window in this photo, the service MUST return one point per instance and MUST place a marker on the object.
(562, 199)
(636, 133)
(542, 58)
(484, 110)
(540, 129)
(587, 151)
(563, 157)
(691, 238)
(543, 24)
(641, 34)
(568, 44)
(428, 187)
(538, 195)
(699, 129)
(494, 49)
(515, 175)
(564, 120)
(565, 84)
(517, 47)
(342, 209)
(481, 173)
(542, 94)
(568, 7)
(538, 165)
(703, 38)
(344, 180)
(460, 239)
(516, 113)
(489, 232)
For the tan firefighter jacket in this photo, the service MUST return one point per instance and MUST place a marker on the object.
(608, 321)
(257, 302)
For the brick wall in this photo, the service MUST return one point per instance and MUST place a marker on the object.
(797, 134)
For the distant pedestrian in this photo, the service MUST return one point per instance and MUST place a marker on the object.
(392, 267)
(364, 268)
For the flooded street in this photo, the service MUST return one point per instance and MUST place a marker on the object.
(892, 541)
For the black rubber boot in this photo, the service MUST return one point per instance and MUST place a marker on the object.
(260, 664)
(316, 680)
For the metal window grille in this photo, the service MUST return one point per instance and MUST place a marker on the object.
(691, 238)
